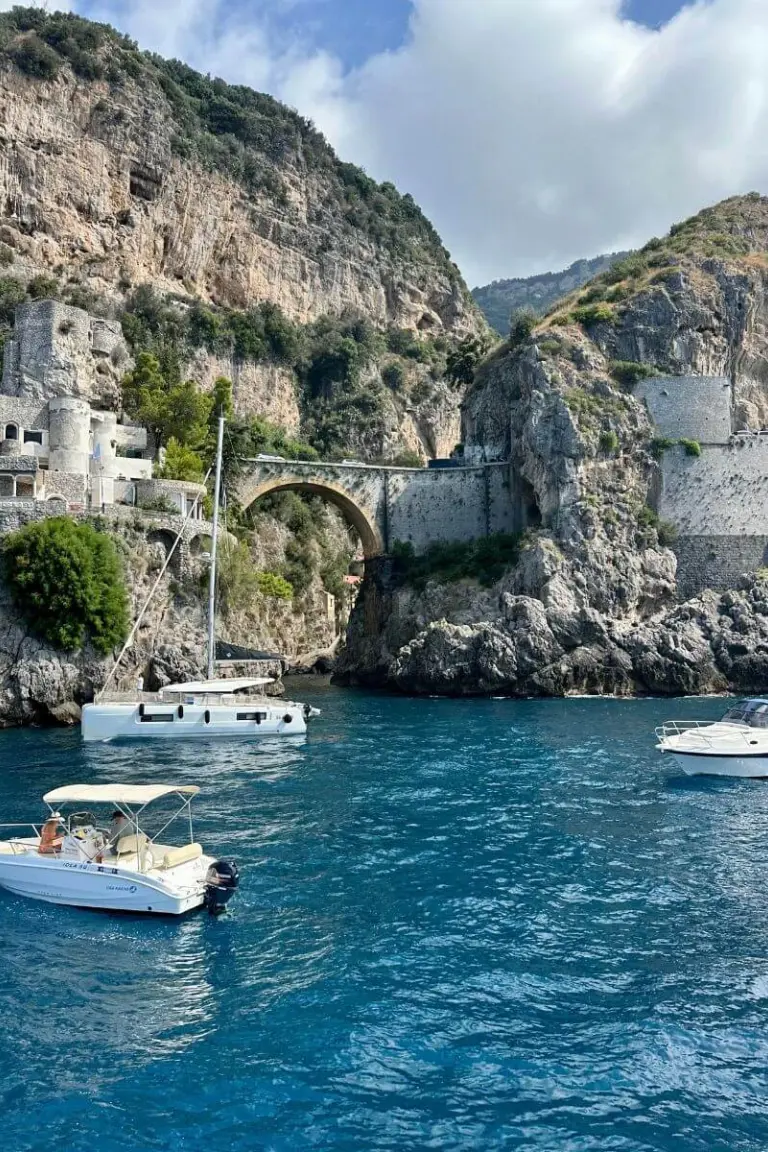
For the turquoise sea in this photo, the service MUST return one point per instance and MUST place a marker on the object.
(460, 925)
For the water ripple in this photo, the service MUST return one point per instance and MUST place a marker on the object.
(462, 925)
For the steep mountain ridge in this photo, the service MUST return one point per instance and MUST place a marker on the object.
(501, 298)
(134, 169)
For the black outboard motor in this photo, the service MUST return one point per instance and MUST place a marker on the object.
(220, 883)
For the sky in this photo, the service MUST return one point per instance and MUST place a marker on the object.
(531, 132)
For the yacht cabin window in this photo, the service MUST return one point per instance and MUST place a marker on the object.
(753, 713)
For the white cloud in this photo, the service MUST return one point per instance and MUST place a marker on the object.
(534, 133)
(531, 131)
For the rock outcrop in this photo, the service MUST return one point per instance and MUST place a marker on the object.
(95, 179)
(120, 170)
(591, 606)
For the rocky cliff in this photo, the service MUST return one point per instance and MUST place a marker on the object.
(119, 170)
(591, 604)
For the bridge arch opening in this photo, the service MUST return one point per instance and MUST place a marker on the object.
(370, 537)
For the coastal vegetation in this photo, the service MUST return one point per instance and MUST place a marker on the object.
(67, 583)
(312, 551)
(240, 585)
(485, 560)
(344, 367)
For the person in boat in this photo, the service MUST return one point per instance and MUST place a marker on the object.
(119, 826)
(51, 837)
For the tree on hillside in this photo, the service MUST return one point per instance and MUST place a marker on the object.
(181, 463)
(67, 582)
(463, 360)
(166, 409)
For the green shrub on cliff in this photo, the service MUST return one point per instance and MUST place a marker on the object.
(659, 445)
(590, 314)
(34, 58)
(485, 560)
(628, 373)
(66, 581)
(666, 532)
(692, 447)
(521, 324)
(464, 360)
(609, 442)
(274, 587)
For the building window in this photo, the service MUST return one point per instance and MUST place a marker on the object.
(11, 432)
(31, 437)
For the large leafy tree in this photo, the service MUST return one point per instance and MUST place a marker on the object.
(181, 463)
(67, 582)
(166, 409)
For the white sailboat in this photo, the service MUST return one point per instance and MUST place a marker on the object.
(199, 708)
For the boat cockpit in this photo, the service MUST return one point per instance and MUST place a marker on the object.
(752, 713)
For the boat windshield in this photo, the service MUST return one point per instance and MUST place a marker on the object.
(753, 713)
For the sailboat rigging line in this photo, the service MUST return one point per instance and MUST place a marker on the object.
(214, 549)
(148, 600)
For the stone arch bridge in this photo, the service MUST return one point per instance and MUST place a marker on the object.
(420, 506)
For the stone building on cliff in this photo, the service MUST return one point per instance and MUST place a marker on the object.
(54, 444)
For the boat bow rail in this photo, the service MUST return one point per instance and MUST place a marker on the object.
(704, 733)
(19, 843)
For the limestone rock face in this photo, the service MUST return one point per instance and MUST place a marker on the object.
(92, 181)
(99, 193)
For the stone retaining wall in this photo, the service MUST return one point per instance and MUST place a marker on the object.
(15, 513)
(693, 407)
(716, 561)
(723, 492)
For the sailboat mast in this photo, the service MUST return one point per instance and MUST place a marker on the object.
(214, 548)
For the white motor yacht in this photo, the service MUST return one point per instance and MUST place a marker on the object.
(200, 708)
(75, 860)
(736, 745)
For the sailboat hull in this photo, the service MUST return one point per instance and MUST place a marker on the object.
(106, 721)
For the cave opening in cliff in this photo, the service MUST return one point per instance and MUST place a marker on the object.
(529, 505)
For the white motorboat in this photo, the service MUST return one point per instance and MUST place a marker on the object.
(75, 860)
(736, 745)
(200, 708)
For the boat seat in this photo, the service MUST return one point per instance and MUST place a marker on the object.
(136, 846)
(130, 844)
(175, 856)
